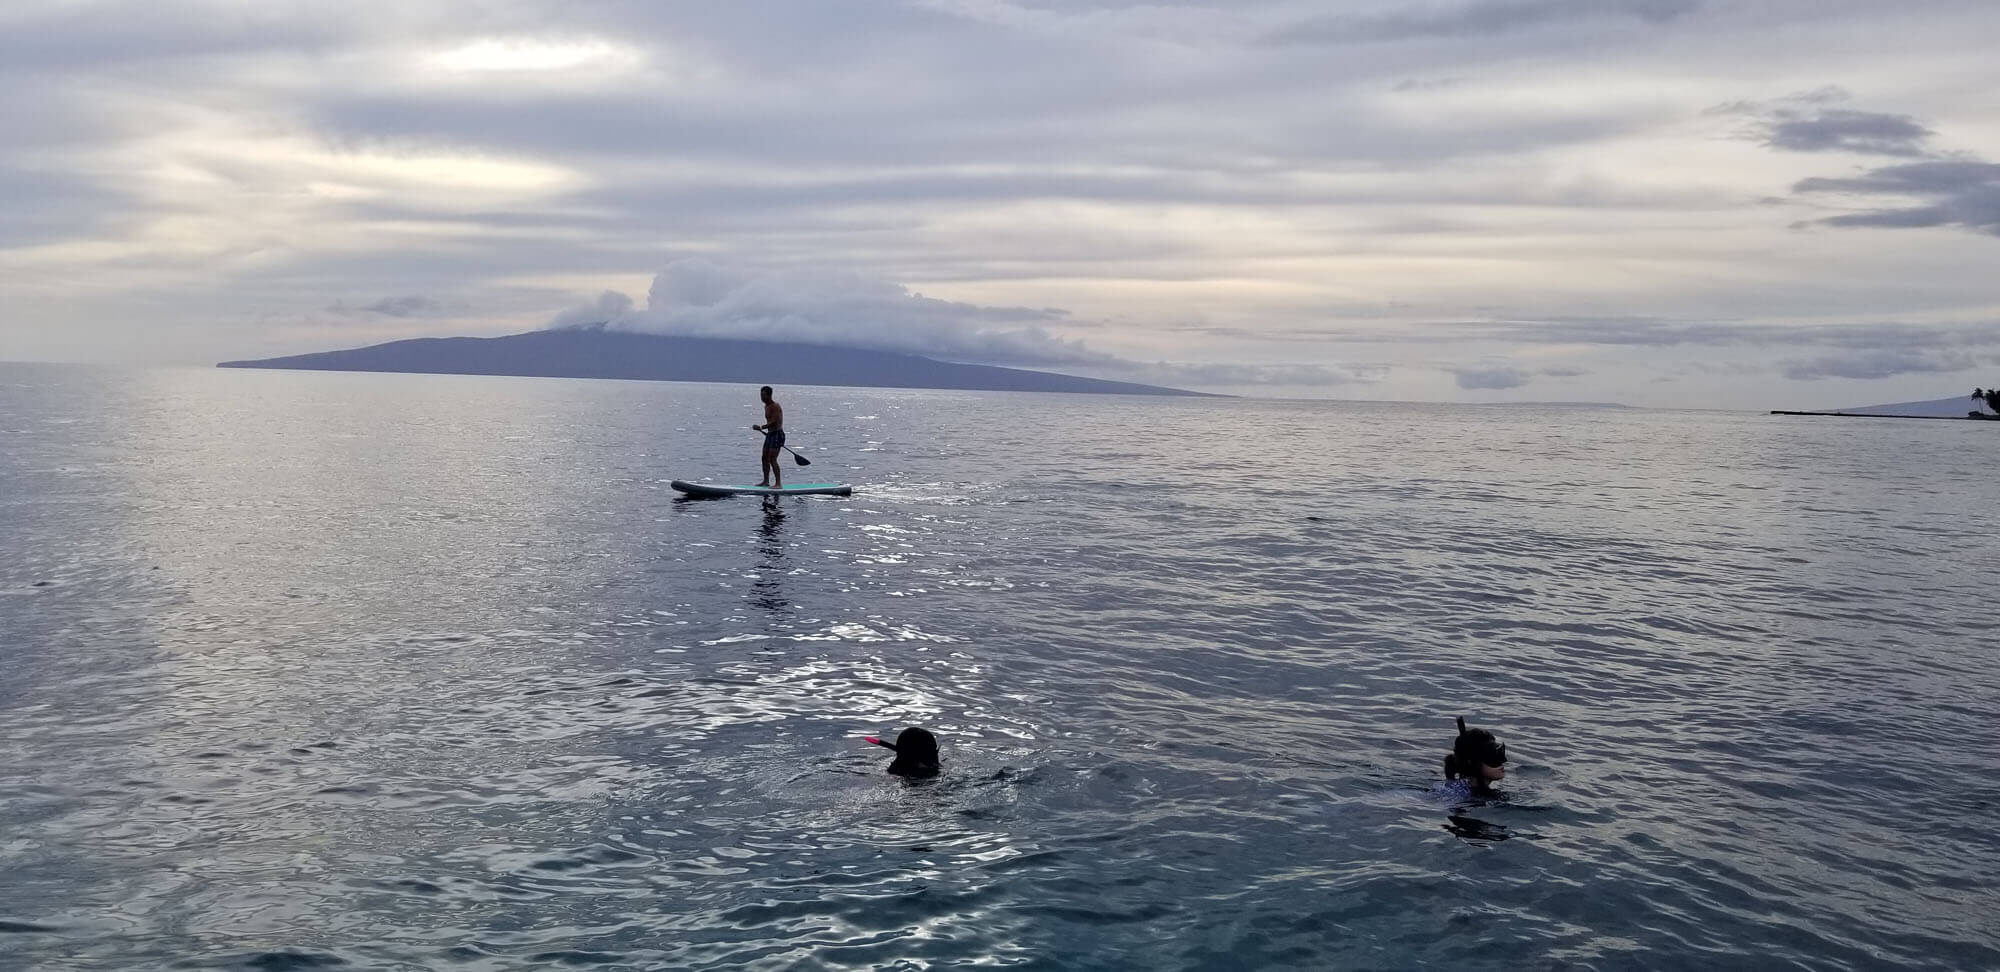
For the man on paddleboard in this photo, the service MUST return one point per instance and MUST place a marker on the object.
(774, 439)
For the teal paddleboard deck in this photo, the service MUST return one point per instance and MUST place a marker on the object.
(798, 489)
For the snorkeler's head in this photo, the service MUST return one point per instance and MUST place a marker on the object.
(1476, 756)
(916, 752)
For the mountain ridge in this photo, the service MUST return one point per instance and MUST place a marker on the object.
(1930, 408)
(594, 351)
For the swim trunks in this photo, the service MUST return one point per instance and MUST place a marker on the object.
(774, 438)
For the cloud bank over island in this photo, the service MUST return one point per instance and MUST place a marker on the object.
(1667, 202)
(696, 297)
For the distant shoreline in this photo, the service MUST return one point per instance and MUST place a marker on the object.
(1947, 418)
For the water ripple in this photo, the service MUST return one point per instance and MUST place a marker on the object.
(391, 672)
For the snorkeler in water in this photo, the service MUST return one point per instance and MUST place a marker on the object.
(1476, 757)
(916, 753)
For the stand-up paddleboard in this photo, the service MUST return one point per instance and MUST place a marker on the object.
(800, 489)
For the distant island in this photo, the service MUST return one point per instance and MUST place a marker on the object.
(1981, 404)
(594, 351)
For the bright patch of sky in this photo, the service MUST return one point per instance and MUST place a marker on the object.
(1771, 203)
(526, 54)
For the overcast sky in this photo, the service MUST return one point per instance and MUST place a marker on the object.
(1760, 203)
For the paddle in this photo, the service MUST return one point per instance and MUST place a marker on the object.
(801, 460)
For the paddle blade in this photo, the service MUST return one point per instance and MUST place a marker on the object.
(801, 460)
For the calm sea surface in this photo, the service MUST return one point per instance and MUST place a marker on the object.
(406, 672)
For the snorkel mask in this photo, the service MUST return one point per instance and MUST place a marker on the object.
(1476, 755)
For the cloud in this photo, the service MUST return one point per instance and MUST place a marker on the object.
(1142, 163)
(1965, 194)
(1427, 84)
(1805, 123)
(1886, 363)
(1958, 191)
(410, 306)
(1917, 178)
(1482, 19)
(610, 306)
(1492, 377)
(703, 299)
(1475, 379)
(43, 206)
(698, 298)
(1653, 332)
(1844, 130)
(1224, 374)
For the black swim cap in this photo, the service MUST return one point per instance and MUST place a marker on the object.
(916, 753)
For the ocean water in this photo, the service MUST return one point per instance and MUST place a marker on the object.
(407, 672)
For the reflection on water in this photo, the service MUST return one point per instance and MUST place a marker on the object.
(408, 672)
(767, 590)
(1474, 829)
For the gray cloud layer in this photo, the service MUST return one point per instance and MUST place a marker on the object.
(410, 305)
(1480, 379)
(1809, 122)
(1650, 332)
(1884, 363)
(1481, 19)
(1846, 130)
(1965, 194)
(1491, 377)
(1250, 192)
(1959, 191)
(1858, 351)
